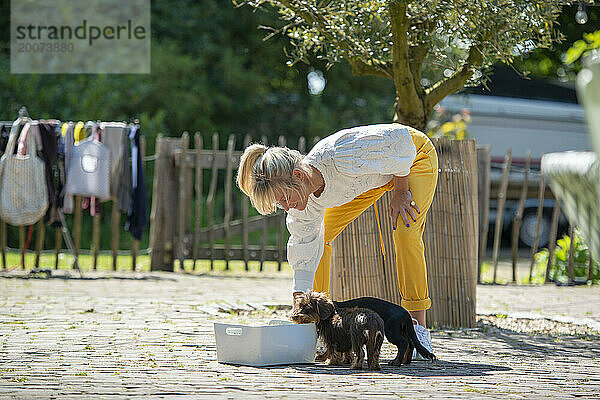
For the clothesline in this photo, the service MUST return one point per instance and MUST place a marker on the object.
(145, 158)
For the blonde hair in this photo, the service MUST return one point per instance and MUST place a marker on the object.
(264, 169)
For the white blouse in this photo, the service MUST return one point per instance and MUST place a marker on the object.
(352, 161)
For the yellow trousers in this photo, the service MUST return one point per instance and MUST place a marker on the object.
(408, 241)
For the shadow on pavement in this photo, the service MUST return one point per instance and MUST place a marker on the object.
(422, 369)
(73, 275)
(543, 345)
(241, 275)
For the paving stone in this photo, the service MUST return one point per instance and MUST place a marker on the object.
(145, 335)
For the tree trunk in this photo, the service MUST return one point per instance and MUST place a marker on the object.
(413, 118)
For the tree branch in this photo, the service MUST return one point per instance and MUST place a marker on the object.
(362, 68)
(443, 88)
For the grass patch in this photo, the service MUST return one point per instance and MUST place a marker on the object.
(65, 261)
(124, 263)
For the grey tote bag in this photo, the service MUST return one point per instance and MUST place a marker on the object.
(23, 191)
(89, 170)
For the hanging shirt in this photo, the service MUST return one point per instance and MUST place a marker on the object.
(351, 161)
(124, 193)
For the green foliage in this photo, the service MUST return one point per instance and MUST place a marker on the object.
(551, 62)
(558, 273)
(363, 29)
(591, 41)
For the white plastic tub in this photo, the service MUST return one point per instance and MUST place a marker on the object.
(280, 342)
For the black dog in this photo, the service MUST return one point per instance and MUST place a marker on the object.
(345, 331)
(399, 328)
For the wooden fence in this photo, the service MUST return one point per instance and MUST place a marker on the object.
(177, 229)
(530, 180)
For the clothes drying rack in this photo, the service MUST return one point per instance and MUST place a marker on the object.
(63, 224)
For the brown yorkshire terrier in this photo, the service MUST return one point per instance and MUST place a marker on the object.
(343, 330)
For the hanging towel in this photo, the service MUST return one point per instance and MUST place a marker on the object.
(137, 218)
(124, 190)
(114, 136)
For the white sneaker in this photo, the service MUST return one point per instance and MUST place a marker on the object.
(425, 339)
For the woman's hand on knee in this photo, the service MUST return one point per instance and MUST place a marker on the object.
(403, 204)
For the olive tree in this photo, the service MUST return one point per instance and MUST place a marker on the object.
(428, 49)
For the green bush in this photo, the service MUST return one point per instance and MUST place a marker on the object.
(558, 273)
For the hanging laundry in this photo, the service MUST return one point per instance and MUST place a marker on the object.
(60, 176)
(67, 132)
(22, 141)
(31, 129)
(137, 218)
(49, 138)
(80, 132)
(88, 173)
(4, 134)
(93, 203)
(115, 137)
(124, 191)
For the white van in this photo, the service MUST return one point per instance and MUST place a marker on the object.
(522, 124)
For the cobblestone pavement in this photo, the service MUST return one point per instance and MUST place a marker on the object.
(150, 334)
